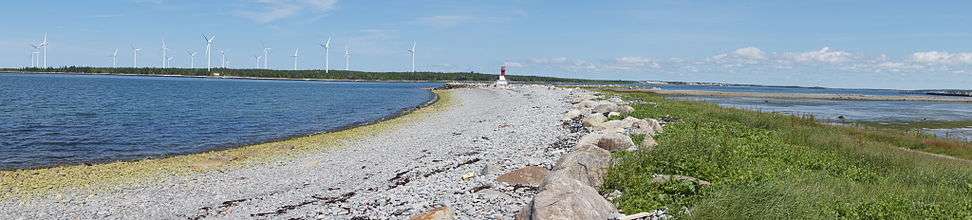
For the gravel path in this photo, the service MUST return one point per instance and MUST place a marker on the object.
(394, 174)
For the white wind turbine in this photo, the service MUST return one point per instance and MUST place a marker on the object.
(168, 61)
(35, 56)
(222, 58)
(266, 56)
(295, 56)
(44, 45)
(114, 59)
(165, 57)
(412, 53)
(257, 59)
(347, 56)
(135, 51)
(192, 58)
(209, 56)
(327, 59)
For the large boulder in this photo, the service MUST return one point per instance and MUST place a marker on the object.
(611, 141)
(588, 164)
(587, 104)
(573, 114)
(592, 120)
(617, 126)
(441, 213)
(648, 127)
(648, 143)
(566, 198)
(605, 107)
(531, 176)
(626, 109)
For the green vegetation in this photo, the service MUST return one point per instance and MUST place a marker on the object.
(317, 74)
(775, 166)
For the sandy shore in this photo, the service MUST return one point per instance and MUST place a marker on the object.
(392, 169)
(851, 97)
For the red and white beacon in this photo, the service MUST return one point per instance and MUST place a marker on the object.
(502, 78)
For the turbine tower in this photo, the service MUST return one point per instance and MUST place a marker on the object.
(295, 56)
(192, 58)
(164, 55)
(347, 56)
(209, 56)
(266, 56)
(412, 53)
(44, 45)
(135, 51)
(257, 58)
(222, 57)
(114, 59)
(327, 59)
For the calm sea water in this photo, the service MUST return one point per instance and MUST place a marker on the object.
(48, 120)
(842, 110)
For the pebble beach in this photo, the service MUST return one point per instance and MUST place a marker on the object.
(448, 158)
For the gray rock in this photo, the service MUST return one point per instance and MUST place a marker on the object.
(605, 107)
(592, 120)
(588, 164)
(531, 176)
(611, 141)
(566, 198)
(585, 104)
(626, 109)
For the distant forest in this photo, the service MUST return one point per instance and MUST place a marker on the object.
(317, 74)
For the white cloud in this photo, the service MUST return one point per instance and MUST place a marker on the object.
(823, 55)
(634, 63)
(512, 64)
(936, 57)
(273, 10)
(750, 53)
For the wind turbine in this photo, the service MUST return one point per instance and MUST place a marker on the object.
(347, 56)
(34, 56)
(114, 59)
(44, 44)
(266, 56)
(222, 57)
(209, 44)
(295, 56)
(169, 60)
(164, 56)
(327, 59)
(257, 58)
(412, 53)
(135, 51)
(192, 58)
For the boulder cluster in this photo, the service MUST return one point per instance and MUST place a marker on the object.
(569, 191)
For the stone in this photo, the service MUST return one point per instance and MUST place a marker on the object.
(588, 164)
(468, 175)
(648, 143)
(626, 109)
(573, 114)
(585, 104)
(663, 179)
(566, 198)
(611, 141)
(612, 114)
(617, 126)
(605, 107)
(592, 120)
(441, 213)
(531, 176)
(648, 127)
(616, 100)
(524, 213)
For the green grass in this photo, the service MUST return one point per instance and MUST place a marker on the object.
(775, 166)
(317, 74)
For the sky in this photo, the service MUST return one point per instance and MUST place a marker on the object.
(848, 44)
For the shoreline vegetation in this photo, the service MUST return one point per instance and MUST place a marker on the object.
(25, 183)
(337, 75)
(773, 166)
(839, 97)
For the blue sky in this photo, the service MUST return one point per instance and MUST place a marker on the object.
(872, 44)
